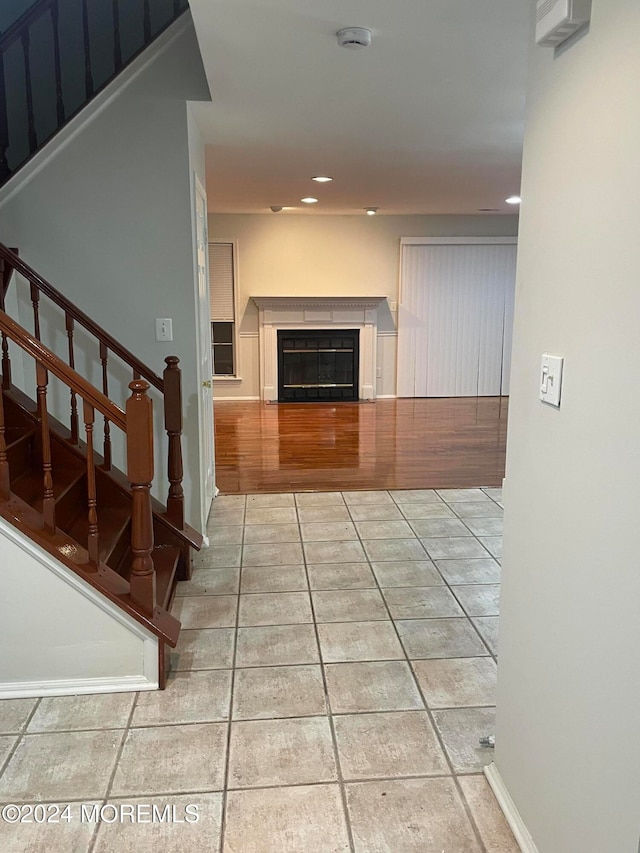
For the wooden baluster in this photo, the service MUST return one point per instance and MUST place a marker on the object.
(5, 171)
(147, 21)
(56, 62)
(35, 301)
(140, 472)
(5, 275)
(105, 390)
(88, 76)
(72, 363)
(117, 46)
(6, 363)
(5, 480)
(48, 502)
(92, 500)
(173, 425)
(31, 122)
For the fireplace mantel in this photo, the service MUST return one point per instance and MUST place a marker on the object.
(317, 312)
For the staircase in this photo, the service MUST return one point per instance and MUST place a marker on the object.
(58, 55)
(60, 492)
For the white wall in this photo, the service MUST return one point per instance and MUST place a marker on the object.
(59, 636)
(568, 740)
(316, 255)
(107, 220)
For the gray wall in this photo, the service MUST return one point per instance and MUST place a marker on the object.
(568, 740)
(108, 220)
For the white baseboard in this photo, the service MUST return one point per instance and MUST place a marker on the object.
(75, 686)
(511, 813)
(386, 397)
(235, 399)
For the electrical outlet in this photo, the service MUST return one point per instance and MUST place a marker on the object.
(164, 329)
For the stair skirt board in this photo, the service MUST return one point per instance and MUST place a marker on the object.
(118, 654)
(512, 815)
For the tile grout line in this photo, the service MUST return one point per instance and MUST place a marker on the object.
(328, 710)
(225, 780)
(21, 735)
(125, 734)
(435, 729)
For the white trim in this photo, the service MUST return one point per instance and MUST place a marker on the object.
(93, 109)
(457, 241)
(393, 334)
(277, 313)
(386, 396)
(235, 399)
(274, 303)
(226, 379)
(76, 686)
(249, 335)
(516, 824)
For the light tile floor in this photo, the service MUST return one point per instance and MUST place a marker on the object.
(335, 673)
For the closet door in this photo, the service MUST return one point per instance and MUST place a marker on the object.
(452, 318)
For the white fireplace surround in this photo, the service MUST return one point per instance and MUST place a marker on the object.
(317, 312)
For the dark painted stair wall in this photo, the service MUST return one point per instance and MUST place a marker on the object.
(87, 65)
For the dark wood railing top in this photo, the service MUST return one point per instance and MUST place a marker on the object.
(73, 311)
(43, 355)
(15, 31)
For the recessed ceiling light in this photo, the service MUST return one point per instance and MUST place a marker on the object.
(309, 200)
(322, 179)
(371, 211)
(513, 199)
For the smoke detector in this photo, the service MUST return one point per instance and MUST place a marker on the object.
(354, 37)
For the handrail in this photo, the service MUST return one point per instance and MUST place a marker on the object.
(66, 374)
(73, 311)
(97, 34)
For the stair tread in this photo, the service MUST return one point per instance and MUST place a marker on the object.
(15, 435)
(112, 522)
(29, 486)
(165, 561)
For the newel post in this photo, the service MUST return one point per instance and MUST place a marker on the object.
(139, 413)
(173, 425)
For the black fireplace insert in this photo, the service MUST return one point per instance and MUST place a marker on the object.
(318, 365)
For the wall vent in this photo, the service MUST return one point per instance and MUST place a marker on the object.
(556, 20)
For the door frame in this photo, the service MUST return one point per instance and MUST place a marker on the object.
(205, 422)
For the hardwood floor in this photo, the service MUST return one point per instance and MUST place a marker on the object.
(388, 444)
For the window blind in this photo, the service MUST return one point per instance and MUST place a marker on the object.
(221, 276)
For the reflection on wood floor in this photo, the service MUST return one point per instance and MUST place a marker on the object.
(388, 444)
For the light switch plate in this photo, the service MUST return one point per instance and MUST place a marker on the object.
(164, 329)
(551, 379)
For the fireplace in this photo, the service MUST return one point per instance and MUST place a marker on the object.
(319, 316)
(317, 365)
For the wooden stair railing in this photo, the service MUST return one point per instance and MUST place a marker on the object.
(137, 424)
(169, 385)
(44, 45)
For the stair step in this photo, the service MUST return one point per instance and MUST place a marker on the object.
(165, 561)
(30, 488)
(19, 448)
(113, 527)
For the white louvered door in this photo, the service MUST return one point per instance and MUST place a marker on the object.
(455, 318)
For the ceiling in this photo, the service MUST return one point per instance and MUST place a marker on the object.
(428, 119)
